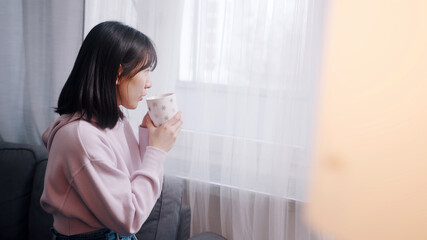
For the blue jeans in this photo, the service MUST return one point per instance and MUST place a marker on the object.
(105, 234)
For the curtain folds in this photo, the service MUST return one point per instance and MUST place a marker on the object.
(246, 77)
(38, 46)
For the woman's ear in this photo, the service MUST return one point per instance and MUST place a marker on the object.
(119, 73)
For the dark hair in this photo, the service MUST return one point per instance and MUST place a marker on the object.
(90, 89)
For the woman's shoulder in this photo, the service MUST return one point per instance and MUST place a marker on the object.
(86, 137)
(80, 128)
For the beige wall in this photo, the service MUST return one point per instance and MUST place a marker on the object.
(370, 180)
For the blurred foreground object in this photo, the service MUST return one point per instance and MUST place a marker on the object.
(370, 175)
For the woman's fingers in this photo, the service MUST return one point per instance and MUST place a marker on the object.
(145, 120)
(149, 123)
(173, 125)
(175, 119)
(164, 136)
(177, 125)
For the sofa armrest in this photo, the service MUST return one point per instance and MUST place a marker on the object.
(18, 163)
(40, 222)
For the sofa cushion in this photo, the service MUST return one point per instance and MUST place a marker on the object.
(164, 219)
(184, 223)
(17, 165)
(40, 221)
(171, 208)
(149, 228)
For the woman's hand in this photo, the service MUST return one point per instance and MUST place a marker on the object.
(144, 120)
(164, 136)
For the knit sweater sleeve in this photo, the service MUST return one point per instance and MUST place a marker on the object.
(120, 202)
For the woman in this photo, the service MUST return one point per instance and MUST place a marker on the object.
(101, 183)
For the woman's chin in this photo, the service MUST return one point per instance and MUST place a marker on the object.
(131, 106)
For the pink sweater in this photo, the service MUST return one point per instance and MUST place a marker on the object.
(99, 178)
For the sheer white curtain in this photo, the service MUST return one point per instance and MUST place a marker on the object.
(97, 11)
(39, 42)
(246, 75)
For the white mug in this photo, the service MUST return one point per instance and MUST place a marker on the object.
(162, 108)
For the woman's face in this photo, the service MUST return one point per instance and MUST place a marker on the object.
(131, 90)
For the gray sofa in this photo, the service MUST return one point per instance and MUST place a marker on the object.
(22, 169)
